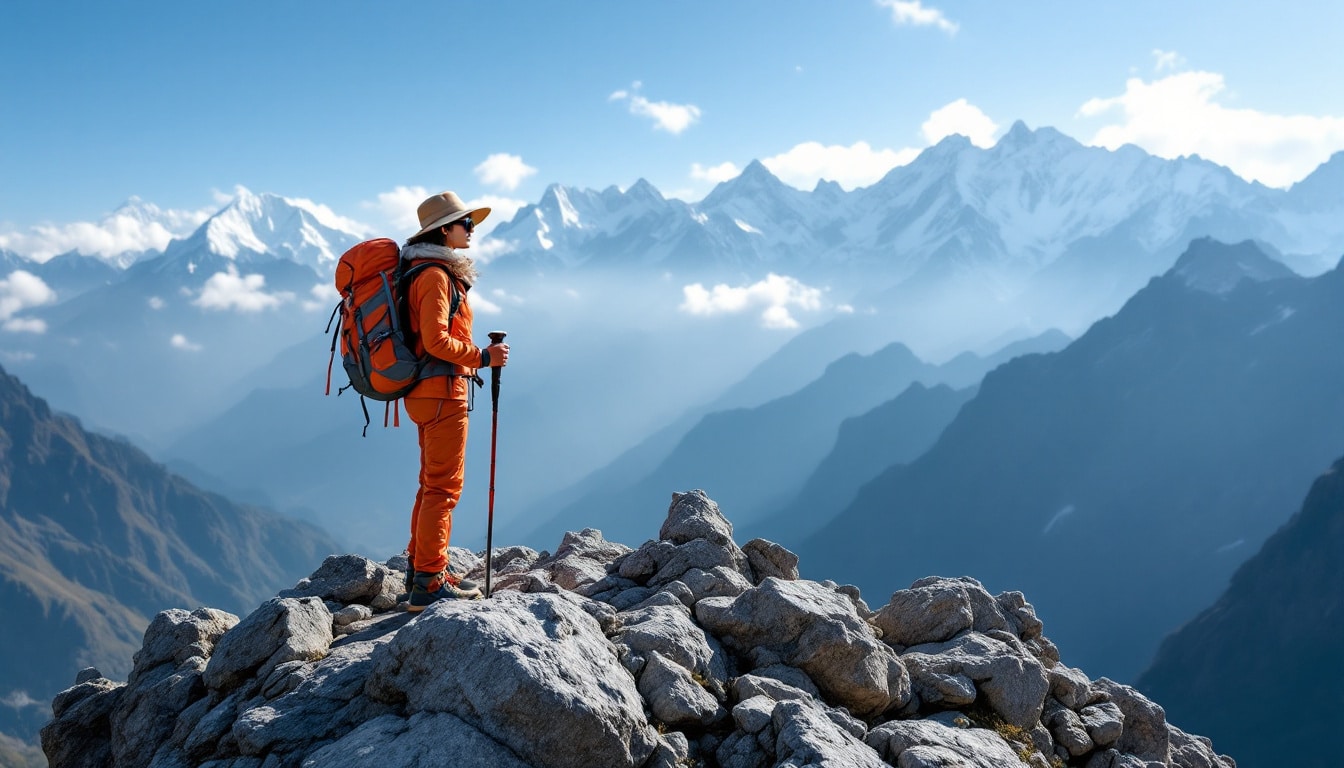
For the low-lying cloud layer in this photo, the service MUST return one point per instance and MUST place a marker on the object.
(774, 297)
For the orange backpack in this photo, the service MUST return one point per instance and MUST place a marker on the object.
(376, 341)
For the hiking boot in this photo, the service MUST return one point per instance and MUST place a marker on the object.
(466, 585)
(431, 587)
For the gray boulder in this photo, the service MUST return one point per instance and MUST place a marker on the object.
(674, 696)
(282, 629)
(1014, 683)
(817, 630)
(1145, 733)
(79, 734)
(932, 744)
(693, 515)
(936, 609)
(424, 740)
(349, 579)
(320, 700)
(668, 630)
(176, 635)
(806, 736)
(769, 559)
(505, 664)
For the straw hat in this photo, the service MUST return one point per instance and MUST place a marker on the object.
(443, 208)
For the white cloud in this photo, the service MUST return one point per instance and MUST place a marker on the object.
(913, 13)
(1164, 60)
(244, 293)
(20, 699)
(715, 173)
(963, 118)
(131, 229)
(25, 325)
(178, 341)
(673, 118)
(397, 207)
(324, 296)
(485, 306)
(504, 171)
(505, 296)
(23, 290)
(17, 357)
(773, 296)
(854, 166)
(861, 164)
(156, 303)
(1181, 114)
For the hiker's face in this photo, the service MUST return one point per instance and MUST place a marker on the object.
(458, 236)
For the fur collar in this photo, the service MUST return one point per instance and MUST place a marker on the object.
(459, 264)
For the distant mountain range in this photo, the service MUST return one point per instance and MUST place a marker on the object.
(1155, 454)
(95, 539)
(756, 460)
(1259, 671)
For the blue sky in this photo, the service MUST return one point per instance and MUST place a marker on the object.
(366, 107)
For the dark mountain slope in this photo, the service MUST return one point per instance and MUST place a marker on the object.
(1260, 671)
(1148, 459)
(95, 538)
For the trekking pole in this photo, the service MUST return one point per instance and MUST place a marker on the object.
(496, 337)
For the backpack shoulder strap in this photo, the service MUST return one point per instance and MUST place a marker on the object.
(404, 290)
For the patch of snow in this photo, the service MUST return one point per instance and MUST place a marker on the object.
(745, 227)
(1060, 515)
(1284, 314)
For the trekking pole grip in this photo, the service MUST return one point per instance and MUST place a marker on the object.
(496, 337)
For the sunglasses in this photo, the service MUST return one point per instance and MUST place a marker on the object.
(466, 223)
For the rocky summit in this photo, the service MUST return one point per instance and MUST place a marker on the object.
(688, 651)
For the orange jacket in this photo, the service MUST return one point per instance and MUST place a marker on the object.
(430, 299)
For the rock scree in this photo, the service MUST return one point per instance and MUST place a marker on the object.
(688, 651)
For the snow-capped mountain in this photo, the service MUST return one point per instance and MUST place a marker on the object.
(266, 227)
(1014, 208)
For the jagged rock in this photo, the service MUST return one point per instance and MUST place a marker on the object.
(323, 701)
(932, 744)
(1070, 686)
(424, 739)
(88, 674)
(817, 630)
(673, 695)
(575, 654)
(579, 563)
(144, 718)
(1189, 751)
(753, 714)
(80, 732)
(778, 682)
(349, 579)
(769, 559)
(176, 635)
(1068, 729)
(1014, 682)
(807, 736)
(282, 629)
(936, 609)
(1104, 722)
(1145, 734)
(669, 631)
(719, 581)
(507, 663)
(351, 614)
(694, 515)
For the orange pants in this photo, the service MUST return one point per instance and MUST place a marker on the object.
(443, 456)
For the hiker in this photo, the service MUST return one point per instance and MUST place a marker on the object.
(441, 399)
